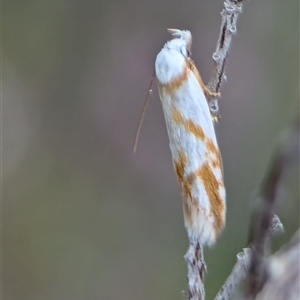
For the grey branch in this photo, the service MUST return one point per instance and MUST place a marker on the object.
(242, 266)
(284, 273)
(194, 256)
(229, 14)
(285, 153)
(252, 263)
(196, 270)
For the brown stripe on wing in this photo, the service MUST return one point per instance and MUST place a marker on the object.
(186, 181)
(188, 125)
(198, 132)
(172, 87)
(208, 94)
(211, 186)
(212, 148)
(205, 174)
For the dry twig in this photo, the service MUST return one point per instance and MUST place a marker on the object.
(242, 266)
(229, 14)
(196, 270)
(284, 273)
(194, 256)
(283, 156)
(252, 261)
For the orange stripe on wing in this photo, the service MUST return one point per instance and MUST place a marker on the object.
(211, 186)
(190, 204)
(198, 132)
(176, 83)
(212, 148)
(205, 174)
(180, 165)
(188, 125)
(208, 94)
(184, 180)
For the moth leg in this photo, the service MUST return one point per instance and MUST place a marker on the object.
(208, 93)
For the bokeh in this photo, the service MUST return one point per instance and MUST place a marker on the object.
(82, 216)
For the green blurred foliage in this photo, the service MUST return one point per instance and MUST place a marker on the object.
(83, 217)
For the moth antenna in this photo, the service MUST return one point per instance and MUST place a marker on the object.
(137, 134)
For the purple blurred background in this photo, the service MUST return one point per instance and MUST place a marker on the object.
(84, 217)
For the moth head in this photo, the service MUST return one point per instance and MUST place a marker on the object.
(171, 61)
(182, 41)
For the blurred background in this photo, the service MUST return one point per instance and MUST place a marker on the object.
(84, 217)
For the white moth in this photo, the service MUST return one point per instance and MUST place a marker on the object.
(195, 153)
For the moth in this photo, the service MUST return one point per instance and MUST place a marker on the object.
(195, 152)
